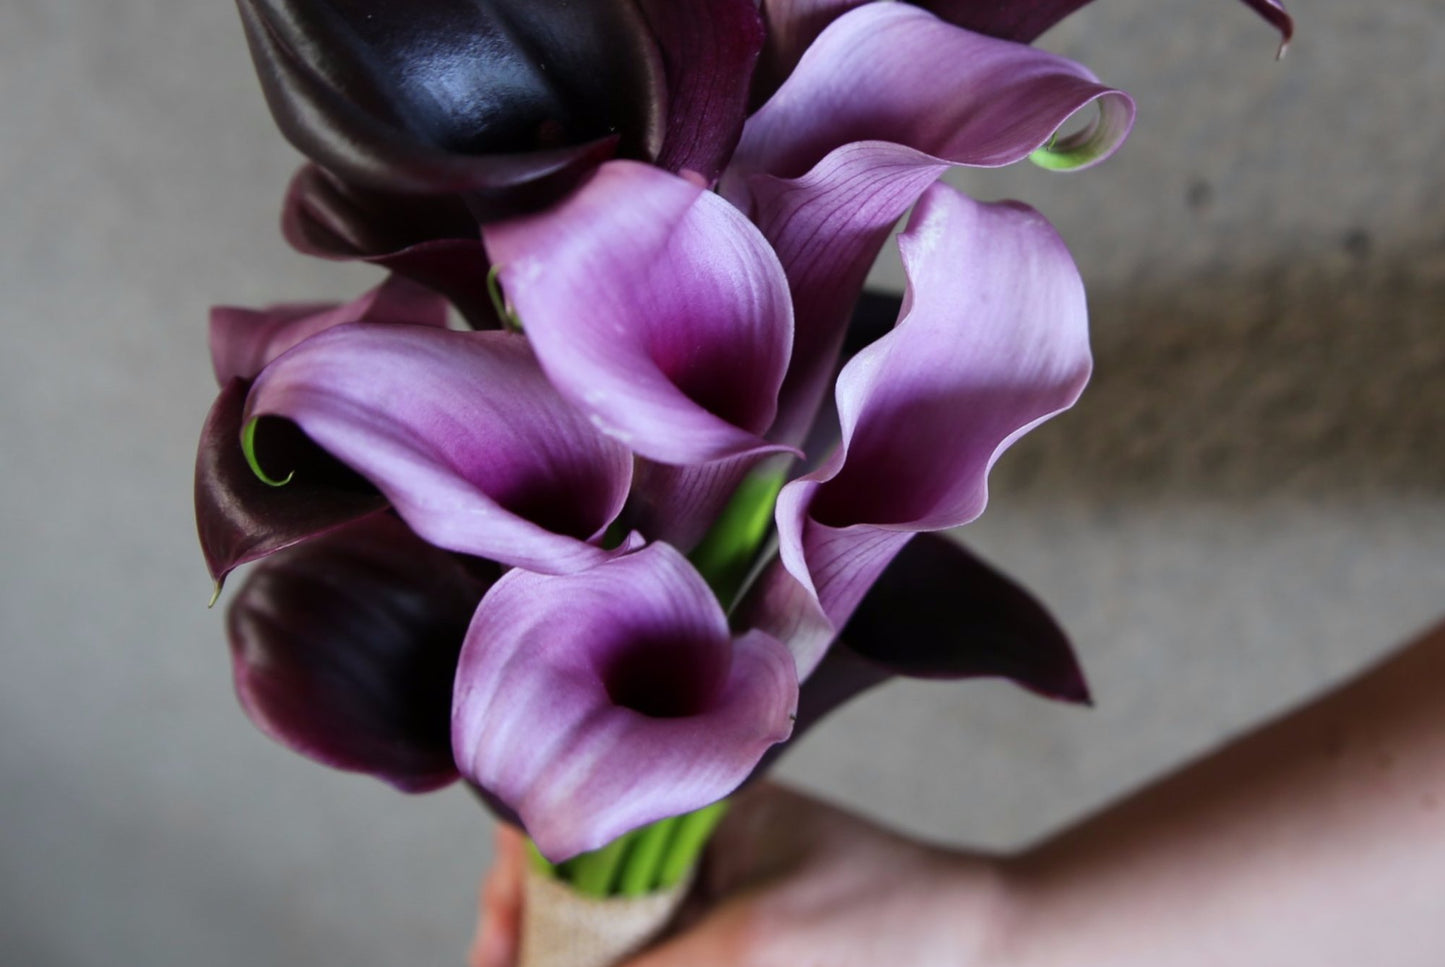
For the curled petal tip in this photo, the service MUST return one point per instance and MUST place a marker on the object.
(248, 447)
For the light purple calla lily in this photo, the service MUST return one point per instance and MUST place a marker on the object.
(893, 72)
(657, 308)
(793, 24)
(1025, 20)
(243, 340)
(885, 100)
(462, 433)
(993, 340)
(596, 702)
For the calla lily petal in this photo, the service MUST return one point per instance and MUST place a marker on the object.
(827, 228)
(892, 72)
(432, 240)
(345, 648)
(462, 433)
(597, 702)
(666, 319)
(241, 519)
(1025, 20)
(481, 97)
(993, 341)
(243, 341)
(709, 49)
(940, 612)
(913, 95)
(679, 504)
(794, 24)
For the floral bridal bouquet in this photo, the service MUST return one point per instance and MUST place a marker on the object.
(660, 501)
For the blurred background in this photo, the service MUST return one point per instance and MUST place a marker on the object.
(1247, 505)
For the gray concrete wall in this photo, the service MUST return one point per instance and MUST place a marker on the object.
(1248, 504)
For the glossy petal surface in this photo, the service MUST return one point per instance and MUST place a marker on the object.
(597, 702)
(483, 97)
(345, 648)
(665, 316)
(462, 433)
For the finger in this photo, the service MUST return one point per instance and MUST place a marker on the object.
(500, 914)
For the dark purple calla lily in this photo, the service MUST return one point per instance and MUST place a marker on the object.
(463, 435)
(505, 102)
(939, 612)
(666, 318)
(597, 702)
(458, 96)
(239, 517)
(433, 240)
(345, 648)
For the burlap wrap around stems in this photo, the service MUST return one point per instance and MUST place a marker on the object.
(563, 928)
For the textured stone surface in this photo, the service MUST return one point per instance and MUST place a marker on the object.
(1249, 502)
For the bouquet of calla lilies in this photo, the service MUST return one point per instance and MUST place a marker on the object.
(656, 506)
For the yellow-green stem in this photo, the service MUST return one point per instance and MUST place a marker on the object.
(687, 843)
(639, 873)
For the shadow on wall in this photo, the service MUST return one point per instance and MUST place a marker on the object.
(1316, 379)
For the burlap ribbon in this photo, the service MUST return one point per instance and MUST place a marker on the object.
(563, 928)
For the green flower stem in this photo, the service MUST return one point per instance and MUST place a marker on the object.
(504, 309)
(687, 844)
(639, 873)
(594, 873)
(726, 553)
(540, 863)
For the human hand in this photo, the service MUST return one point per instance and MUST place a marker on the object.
(788, 880)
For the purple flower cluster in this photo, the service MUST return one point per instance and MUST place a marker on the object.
(493, 552)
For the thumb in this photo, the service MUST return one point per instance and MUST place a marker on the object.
(499, 923)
